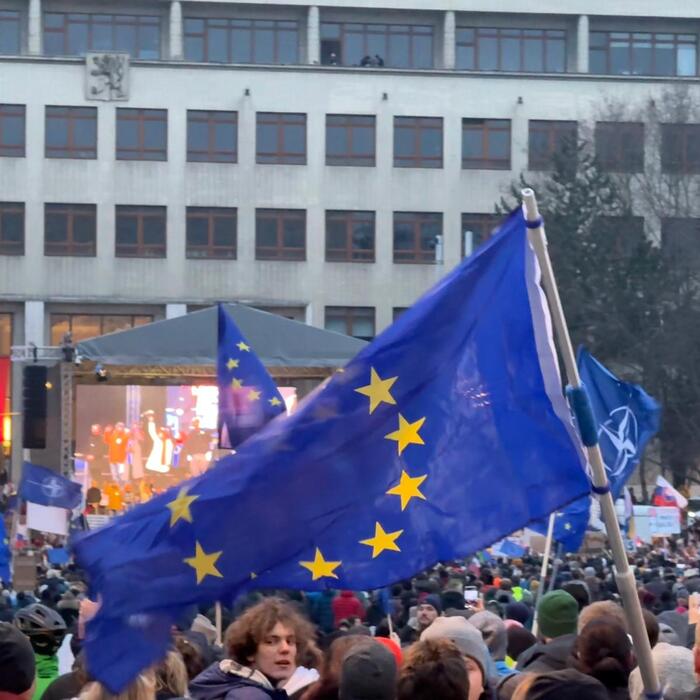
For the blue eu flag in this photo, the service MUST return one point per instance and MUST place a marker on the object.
(5, 553)
(48, 488)
(627, 418)
(446, 433)
(248, 397)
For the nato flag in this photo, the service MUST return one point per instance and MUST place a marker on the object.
(446, 433)
(48, 488)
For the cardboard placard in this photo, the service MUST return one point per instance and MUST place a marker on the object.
(24, 576)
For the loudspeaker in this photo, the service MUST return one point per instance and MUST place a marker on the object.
(34, 407)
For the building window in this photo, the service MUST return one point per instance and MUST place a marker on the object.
(625, 232)
(486, 144)
(415, 236)
(142, 134)
(477, 228)
(70, 229)
(211, 233)
(75, 33)
(619, 146)
(397, 312)
(391, 45)
(350, 139)
(5, 338)
(350, 236)
(212, 137)
(547, 138)
(357, 321)
(12, 130)
(281, 138)
(517, 50)
(643, 53)
(71, 132)
(221, 40)
(9, 32)
(417, 142)
(280, 234)
(680, 241)
(84, 326)
(11, 228)
(140, 232)
(680, 148)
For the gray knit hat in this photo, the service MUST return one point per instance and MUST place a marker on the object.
(675, 668)
(465, 636)
(494, 632)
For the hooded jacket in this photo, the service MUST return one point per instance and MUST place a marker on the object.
(230, 681)
(345, 606)
(543, 658)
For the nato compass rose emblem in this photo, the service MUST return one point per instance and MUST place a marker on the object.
(52, 487)
(621, 431)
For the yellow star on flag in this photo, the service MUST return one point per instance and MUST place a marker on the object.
(237, 383)
(408, 488)
(253, 576)
(204, 564)
(407, 434)
(232, 364)
(382, 541)
(274, 401)
(319, 567)
(253, 395)
(567, 526)
(180, 507)
(378, 390)
(243, 347)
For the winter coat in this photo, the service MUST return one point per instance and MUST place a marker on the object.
(345, 606)
(46, 673)
(227, 680)
(322, 610)
(543, 658)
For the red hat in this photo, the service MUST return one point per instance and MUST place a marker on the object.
(393, 647)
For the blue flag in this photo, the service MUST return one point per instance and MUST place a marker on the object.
(627, 419)
(48, 488)
(58, 556)
(248, 397)
(446, 433)
(5, 553)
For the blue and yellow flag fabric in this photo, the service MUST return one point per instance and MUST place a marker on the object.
(248, 397)
(446, 433)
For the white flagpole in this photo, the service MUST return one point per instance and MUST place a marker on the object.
(545, 565)
(624, 577)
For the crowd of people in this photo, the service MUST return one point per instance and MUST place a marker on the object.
(423, 639)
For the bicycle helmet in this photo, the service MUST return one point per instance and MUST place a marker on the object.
(43, 626)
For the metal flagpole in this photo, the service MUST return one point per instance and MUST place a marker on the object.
(624, 577)
(543, 570)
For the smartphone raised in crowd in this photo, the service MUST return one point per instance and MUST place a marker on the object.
(471, 594)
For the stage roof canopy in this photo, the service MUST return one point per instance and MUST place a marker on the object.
(191, 340)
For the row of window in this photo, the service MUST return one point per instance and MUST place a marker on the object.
(211, 233)
(236, 40)
(281, 138)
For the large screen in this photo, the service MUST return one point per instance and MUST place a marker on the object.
(133, 442)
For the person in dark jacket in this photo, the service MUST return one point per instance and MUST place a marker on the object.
(429, 609)
(557, 615)
(263, 647)
(560, 685)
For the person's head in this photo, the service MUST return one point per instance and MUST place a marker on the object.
(428, 610)
(17, 664)
(652, 626)
(561, 685)
(43, 626)
(494, 632)
(142, 688)
(557, 614)
(470, 643)
(517, 611)
(603, 610)
(519, 640)
(432, 669)
(579, 590)
(269, 637)
(368, 672)
(604, 651)
(675, 668)
(329, 681)
(171, 675)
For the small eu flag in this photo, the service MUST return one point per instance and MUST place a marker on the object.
(48, 488)
(248, 397)
(446, 433)
(627, 418)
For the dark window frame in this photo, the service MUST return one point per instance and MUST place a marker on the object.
(12, 17)
(13, 111)
(558, 131)
(418, 255)
(614, 144)
(140, 249)
(350, 253)
(282, 155)
(685, 252)
(502, 34)
(211, 251)
(349, 123)
(418, 125)
(8, 247)
(212, 119)
(70, 247)
(280, 251)
(485, 127)
(141, 116)
(482, 225)
(76, 117)
(56, 318)
(684, 134)
(349, 314)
